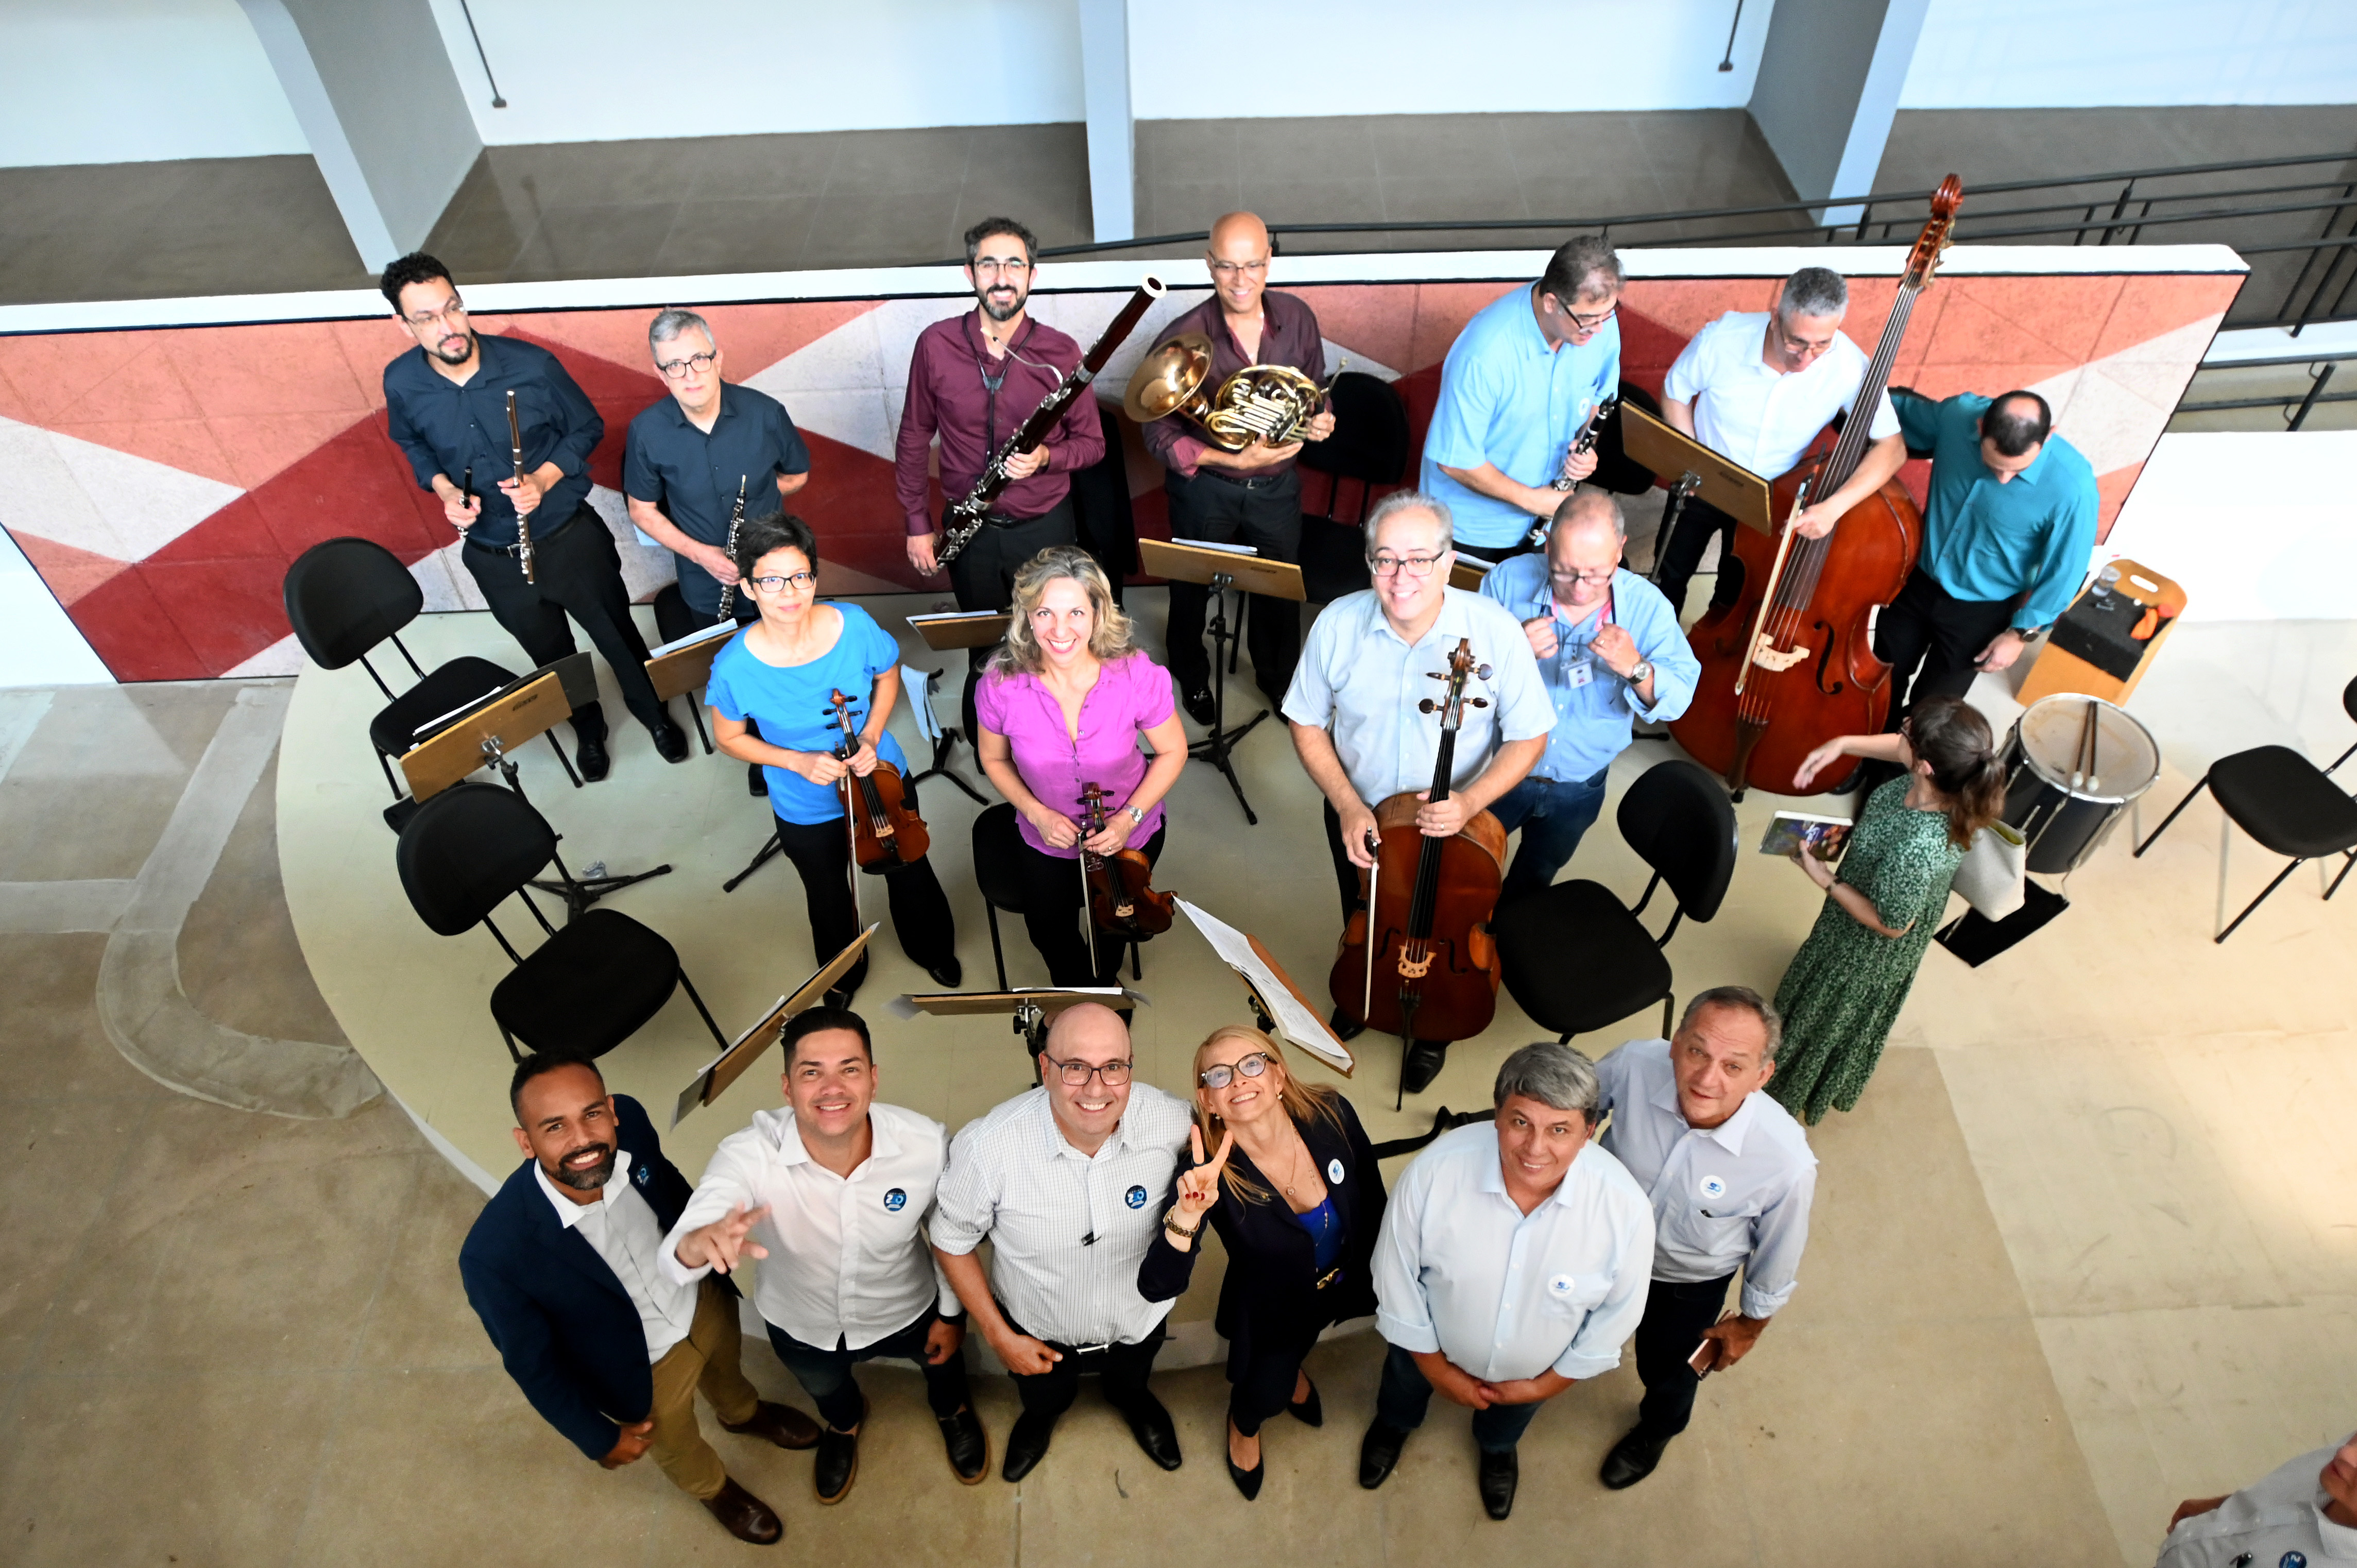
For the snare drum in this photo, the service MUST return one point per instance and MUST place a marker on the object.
(2073, 764)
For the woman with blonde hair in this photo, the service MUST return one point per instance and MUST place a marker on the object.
(1060, 706)
(1295, 1194)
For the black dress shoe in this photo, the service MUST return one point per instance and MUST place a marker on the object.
(1248, 1481)
(745, 1516)
(671, 741)
(1308, 1412)
(1197, 705)
(1425, 1060)
(756, 781)
(968, 1444)
(1028, 1444)
(1150, 1424)
(1379, 1453)
(780, 1423)
(1498, 1473)
(837, 1465)
(947, 972)
(1632, 1460)
(1344, 1027)
(592, 758)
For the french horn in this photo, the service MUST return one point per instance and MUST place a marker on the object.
(1259, 403)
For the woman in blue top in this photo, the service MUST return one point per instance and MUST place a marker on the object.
(782, 672)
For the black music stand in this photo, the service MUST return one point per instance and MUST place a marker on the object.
(713, 1078)
(953, 632)
(1223, 570)
(1030, 1012)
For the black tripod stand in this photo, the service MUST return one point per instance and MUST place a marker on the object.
(944, 742)
(578, 892)
(1215, 746)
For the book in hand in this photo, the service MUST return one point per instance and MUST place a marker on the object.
(1790, 831)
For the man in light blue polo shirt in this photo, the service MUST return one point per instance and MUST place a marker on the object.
(1609, 650)
(1517, 385)
(2006, 537)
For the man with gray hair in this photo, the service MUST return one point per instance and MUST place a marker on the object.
(1757, 386)
(1730, 1177)
(1511, 1264)
(1352, 707)
(1609, 650)
(1515, 390)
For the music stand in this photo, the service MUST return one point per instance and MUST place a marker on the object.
(953, 632)
(1278, 1004)
(1467, 574)
(1031, 1011)
(683, 664)
(1223, 570)
(482, 733)
(711, 1081)
(1717, 478)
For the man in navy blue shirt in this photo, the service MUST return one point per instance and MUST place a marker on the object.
(445, 404)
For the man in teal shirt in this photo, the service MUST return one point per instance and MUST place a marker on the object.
(2006, 537)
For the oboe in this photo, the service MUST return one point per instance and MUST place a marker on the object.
(524, 524)
(1583, 442)
(736, 521)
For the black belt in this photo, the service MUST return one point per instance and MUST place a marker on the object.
(537, 539)
(1000, 519)
(1244, 481)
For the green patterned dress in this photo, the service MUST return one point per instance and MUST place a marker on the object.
(1844, 987)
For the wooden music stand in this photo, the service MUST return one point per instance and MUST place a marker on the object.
(1221, 571)
(711, 1081)
(1717, 478)
(1468, 574)
(951, 633)
(1031, 1011)
(685, 664)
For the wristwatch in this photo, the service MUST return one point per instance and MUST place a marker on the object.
(1640, 672)
(1136, 817)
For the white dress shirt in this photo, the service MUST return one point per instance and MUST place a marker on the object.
(1765, 419)
(847, 1256)
(1461, 1270)
(1358, 677)
(621, 1225)
(2274, 1521)
(1067, 1229)
(1734, 1196)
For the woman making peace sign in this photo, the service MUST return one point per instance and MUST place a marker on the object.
(1294, 1192)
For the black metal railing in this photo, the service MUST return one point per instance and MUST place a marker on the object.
(2295, 403)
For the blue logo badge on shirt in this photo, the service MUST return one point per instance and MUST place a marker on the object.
(1134, 1198)
(1714, 1187)
(1334, 1170)
(895, 1201)
(643, 1176)
(1561, 1285)
(2293, 1559)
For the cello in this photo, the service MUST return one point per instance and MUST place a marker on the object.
(1417, 959)
(1117, 889)
(885, 833)
(1791, 663)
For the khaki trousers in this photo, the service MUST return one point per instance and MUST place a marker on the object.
(707, 1358)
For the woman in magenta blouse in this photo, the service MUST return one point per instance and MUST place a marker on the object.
(1063, 705)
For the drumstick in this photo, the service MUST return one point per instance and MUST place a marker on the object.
(2081, 757)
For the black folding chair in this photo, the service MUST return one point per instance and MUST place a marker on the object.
(1370, 444)
(593, 984)
(1574, 957)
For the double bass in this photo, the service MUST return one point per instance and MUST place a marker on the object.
(1117, 889)
(885, 833)
(1418, 960)
(1791, 663)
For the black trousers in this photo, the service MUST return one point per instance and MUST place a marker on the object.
(1493, 553)
(1051, 901)
(1264, 513)
(581, 575)
(1675, 1317)
(920, 911)
(1928, 627)
(1266, 1387)
(1346, 877)
(1122, 1371)
(1676, 558)
(825, 1374)
(982, 575)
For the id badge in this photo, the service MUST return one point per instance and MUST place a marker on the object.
(1579, 675)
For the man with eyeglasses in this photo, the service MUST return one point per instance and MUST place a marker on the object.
(1370, 660)
(1609, 650)
(974, 379)
(1067, 1182)
(1759, 386)
(1254, 494)
(445, 404)
(1518, 385)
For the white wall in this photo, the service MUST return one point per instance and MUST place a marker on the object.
(102, 81)
(2077, 54)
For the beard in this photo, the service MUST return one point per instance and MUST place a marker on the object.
(996, 311)
(589, 1179)
(461, 356)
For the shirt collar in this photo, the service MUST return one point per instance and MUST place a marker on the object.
(1533, 340)
(1055, 1145)
(569, 1213)
(2030, 476)
(1451, 619)
(679, 415)
(1728, 1135)
(786, 1136)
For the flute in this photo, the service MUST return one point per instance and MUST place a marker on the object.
(524, 524)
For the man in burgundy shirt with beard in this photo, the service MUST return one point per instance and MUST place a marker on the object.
(973, 381)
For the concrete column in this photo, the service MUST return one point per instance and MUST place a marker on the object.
(1113, 138)
(377, 96)
(1828, 88)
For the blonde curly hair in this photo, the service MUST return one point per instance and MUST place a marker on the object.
(1019, 654)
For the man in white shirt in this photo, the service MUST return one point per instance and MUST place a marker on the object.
(1511, 1264)
(1067, 1182)
(1352, 707)
(2303, 1515)
(1759, 386)
(1731, 1177)
(834, 1191)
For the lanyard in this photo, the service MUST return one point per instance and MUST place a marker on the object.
(990, 384)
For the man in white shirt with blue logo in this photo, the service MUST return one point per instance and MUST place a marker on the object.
(1730, 1178)
(2302, 1515)
(1511, 1264)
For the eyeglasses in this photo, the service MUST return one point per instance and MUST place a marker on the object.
(451, 312)
(1227, 271)
(1414, 566)
(677, 369)
(1585, 323)
(1114, 1074)
(993, 266)
(779, 585)
(1224, 1073)
(1602, 576)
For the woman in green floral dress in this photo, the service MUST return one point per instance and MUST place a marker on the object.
(1844, 987)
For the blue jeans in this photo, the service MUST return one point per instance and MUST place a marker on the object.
(1554, 817)
(825, 1375)
(1404, 1393)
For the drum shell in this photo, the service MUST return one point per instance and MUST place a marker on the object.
(2064, 825)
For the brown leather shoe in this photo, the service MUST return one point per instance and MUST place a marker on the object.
(745, 1516)
(780, 1423)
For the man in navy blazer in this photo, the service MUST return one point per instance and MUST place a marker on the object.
(562, 1268)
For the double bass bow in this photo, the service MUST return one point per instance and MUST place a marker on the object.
(885, 833)
(1418, 960)
(1117, 889)
(1791, 663)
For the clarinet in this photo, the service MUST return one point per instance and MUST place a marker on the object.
(963, 520)
(524, 524)
(736, 521)
(1583, 442)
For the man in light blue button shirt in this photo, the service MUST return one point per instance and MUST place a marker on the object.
(1511, 1264)
(1730, 1178)
(1609, 650)
(1518, 383)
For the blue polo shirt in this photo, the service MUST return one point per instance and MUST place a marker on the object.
(1510, 399)
(1593, 714)
(2029, 537)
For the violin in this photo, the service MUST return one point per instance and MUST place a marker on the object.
(1791, 663)
(1119, 899)
(1418, 960)
(885, 833)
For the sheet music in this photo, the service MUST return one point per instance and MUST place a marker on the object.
(1216, 544)
(1294, 1021)
(725, 628)
(919, 684)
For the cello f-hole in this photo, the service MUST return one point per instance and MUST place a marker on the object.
(1826, 663)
